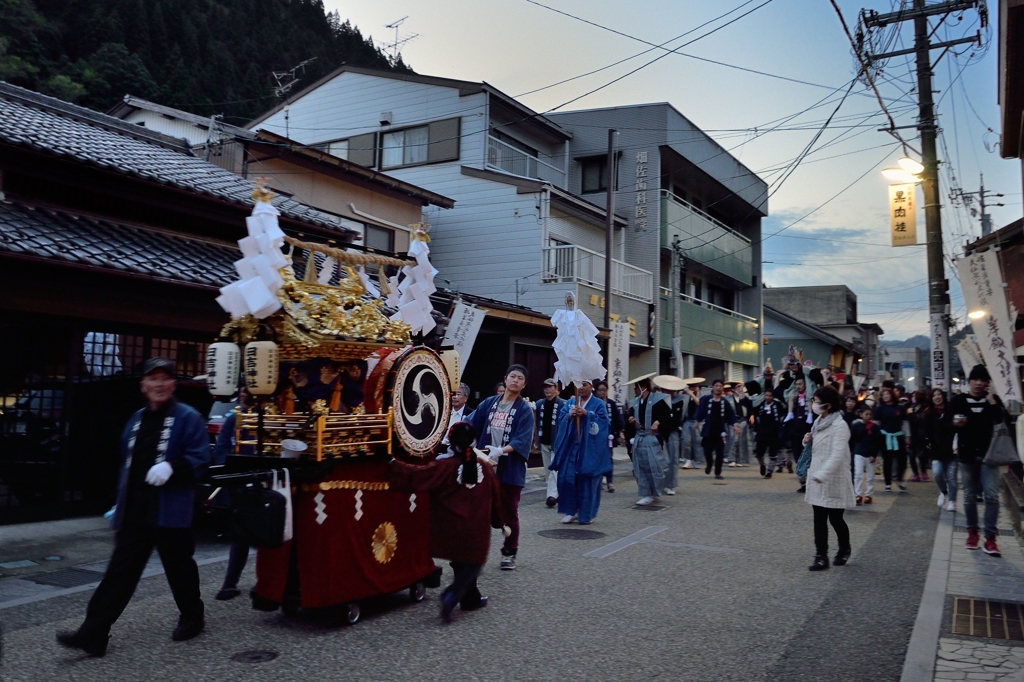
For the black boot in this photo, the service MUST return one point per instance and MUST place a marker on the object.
(820, 563)
(842, 556)
(93, 645)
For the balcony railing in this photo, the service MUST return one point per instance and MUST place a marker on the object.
(706, 304)
(704, 239)
(502, 156)
(570, 263)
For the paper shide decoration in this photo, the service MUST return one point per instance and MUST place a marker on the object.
(255, 292)
(579, 356)
(411, 295)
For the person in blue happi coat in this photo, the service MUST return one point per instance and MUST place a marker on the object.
(504, 425)
(581, 455)
(164, 450)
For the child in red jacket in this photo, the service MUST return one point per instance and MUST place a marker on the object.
(464, 504)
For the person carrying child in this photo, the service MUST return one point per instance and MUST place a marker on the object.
(465, 502)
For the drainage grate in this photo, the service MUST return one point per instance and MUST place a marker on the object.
(69, 577)
(254, 656)
(984, 618)
(571, 534)
(647, 507)
(1004, 532)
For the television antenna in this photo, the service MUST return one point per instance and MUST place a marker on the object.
(395, 48)
(286, 80)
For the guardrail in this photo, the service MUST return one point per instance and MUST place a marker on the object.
(504, 157)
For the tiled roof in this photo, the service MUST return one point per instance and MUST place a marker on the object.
(51, 126)
(36, 232)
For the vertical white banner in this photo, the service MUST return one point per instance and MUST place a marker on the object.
(463, 329)
(982, 283)
(940, 353)
(618, 361)
(970, 354)
(902, 220)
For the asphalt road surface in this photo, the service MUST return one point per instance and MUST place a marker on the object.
(721, 592)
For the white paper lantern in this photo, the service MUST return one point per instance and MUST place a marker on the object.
(261, 367)
(223, 363)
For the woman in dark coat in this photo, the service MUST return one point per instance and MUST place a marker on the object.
(464, 504)
(939, 432)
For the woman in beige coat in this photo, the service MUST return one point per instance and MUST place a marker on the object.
(829, 486)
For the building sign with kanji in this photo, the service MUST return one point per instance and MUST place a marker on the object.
(902, 221)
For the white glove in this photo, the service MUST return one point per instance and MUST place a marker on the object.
(494, 452)
(159, 474)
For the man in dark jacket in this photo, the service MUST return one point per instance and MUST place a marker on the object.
(974, 416)
(615, 428)
(717, 417)
(164, 449)
(768, 429)
(546, 412)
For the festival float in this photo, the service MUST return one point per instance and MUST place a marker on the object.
(378, 395)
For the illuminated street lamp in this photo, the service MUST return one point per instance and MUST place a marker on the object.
(976, 314)
(910, 165)
(900, 175)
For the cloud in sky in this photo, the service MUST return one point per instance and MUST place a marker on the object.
(519, 47)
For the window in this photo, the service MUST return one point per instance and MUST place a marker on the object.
(379, 238)
(405, 147)
(337, 148)
(595, 174)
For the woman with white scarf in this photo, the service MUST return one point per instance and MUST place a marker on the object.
(829, 486)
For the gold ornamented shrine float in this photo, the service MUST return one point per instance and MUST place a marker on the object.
(330, 359)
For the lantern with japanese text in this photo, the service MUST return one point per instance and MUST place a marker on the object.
(261, 367)
(223, 363)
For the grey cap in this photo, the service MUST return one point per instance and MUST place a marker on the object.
(160, 363)
(551, 382)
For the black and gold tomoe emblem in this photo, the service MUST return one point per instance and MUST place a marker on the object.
(421, 399)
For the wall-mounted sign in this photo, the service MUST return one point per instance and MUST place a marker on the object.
(902, 221)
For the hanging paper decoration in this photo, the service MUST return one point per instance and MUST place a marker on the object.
(327, 270)
(412, 295)
(255, 292)
(261, 367)
(223, 364)
(579, 356)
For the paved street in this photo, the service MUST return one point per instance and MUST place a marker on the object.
(721, 593)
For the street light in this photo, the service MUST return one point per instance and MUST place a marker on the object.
(900, 175)
(976, 314)
(910, 165)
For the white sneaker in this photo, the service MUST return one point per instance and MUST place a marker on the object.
(568, 518)
(687, 464)
(942, 500)
(670, 491)
(733, 465)
(951, 506)
(644, 501)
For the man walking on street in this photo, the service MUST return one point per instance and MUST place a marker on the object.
(974, 415)
(547, 410)
(743, 445)
(615, 428)
(504, 425)
(651, 417)
(684, 407)
(717, 416)
(767, 427)
(581, 460)
(164, 449)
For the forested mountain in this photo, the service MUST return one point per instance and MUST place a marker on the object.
(203, 56)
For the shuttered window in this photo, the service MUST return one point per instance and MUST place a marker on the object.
(362, 149)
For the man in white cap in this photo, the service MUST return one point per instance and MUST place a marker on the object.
(546, 411)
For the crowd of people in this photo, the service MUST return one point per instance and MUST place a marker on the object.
(835, 442)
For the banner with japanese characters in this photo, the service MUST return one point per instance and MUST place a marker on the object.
(463, 329)
(982, 283)
(902, 221)
(618, 362)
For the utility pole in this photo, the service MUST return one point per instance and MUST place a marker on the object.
(986, 219)
(674, 309)
(609, 229)
(938, 285)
